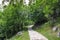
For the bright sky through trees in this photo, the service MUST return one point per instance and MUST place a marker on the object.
(26, 2)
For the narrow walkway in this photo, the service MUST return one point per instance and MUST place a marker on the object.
(35, 35)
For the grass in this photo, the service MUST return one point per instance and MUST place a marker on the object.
(47, 32)
(24, 36)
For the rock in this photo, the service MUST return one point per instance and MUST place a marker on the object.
(55, 29)
(19, 33)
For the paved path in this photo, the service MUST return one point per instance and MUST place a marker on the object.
(35, 35)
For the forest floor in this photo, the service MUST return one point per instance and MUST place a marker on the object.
(35, 35)
(46, 30)
(23, 36)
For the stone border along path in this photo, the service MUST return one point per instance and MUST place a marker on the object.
(35, 35)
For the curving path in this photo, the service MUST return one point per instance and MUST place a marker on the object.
(35, 35)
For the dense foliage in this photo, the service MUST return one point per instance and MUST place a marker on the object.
(16, 15)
